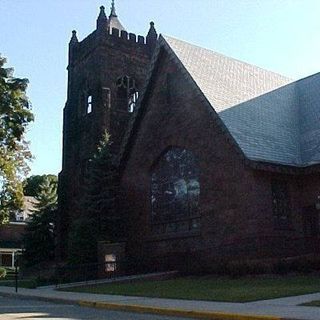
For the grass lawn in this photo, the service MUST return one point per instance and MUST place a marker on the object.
(29, 284)
(212, 288)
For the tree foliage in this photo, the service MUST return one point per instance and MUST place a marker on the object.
(98, 215)
(15, 115)
(32, 185)
(39, 237)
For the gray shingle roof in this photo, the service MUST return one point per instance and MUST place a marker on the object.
(224, 81)
(114, 23)
(271, 118)
(267, 127)
(309, 118)
(282, 126)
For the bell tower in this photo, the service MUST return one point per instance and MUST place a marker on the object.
(106, 72)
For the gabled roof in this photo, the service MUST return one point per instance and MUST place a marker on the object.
(282, 126)
(270, 118)
(267, 127)
(223, 80)
(309, 118)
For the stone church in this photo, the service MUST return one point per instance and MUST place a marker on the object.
(217, 157)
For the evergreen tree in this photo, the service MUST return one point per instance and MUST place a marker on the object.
(32, 185)
(39, 237)
(98, 218)
(15, 115)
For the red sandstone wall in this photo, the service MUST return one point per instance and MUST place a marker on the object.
(235, 201)
(228, 219)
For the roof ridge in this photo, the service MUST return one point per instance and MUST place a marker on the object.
(228, 57)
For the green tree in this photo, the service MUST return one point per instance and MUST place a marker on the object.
(98, 215)
(15, 115)
(39, 237)
(32, 185)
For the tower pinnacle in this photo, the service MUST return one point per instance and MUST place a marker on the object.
(113, 10)
(152, 37)
(72, 45)
(102, 21)
(74, 38)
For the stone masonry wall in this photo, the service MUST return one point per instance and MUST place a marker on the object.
(235, 201)
(95, 65)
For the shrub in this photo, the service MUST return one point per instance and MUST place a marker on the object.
(281, 267)
(246, 267)
(301, 264)
(237, 268)
(192, 263)
(3, 272)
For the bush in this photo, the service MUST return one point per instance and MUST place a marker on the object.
(3, 273)
(247, 267)
(237, 268)
(192, 263)
(301, 264)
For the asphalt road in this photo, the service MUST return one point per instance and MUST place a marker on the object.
(12, 308)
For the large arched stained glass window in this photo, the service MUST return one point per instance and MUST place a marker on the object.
(175, 191)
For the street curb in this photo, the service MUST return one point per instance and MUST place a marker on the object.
(211, 315)
(45, 299)
(175, 312)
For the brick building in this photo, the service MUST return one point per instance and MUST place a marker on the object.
(217, 158)
(11, 234)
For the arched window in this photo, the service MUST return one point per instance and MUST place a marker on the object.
(127, 92)
(132, 101)
(89, 104)
(175, 192)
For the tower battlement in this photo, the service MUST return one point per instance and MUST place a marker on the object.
(106, 72)
(122, 34)
(115, 38)
(111, 32)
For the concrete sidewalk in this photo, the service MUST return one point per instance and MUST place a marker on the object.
(284, 308)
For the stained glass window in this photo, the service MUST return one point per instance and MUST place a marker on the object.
(175, 191)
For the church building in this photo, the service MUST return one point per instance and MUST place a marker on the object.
(217, 158)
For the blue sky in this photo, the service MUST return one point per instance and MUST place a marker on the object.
(279, 35)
